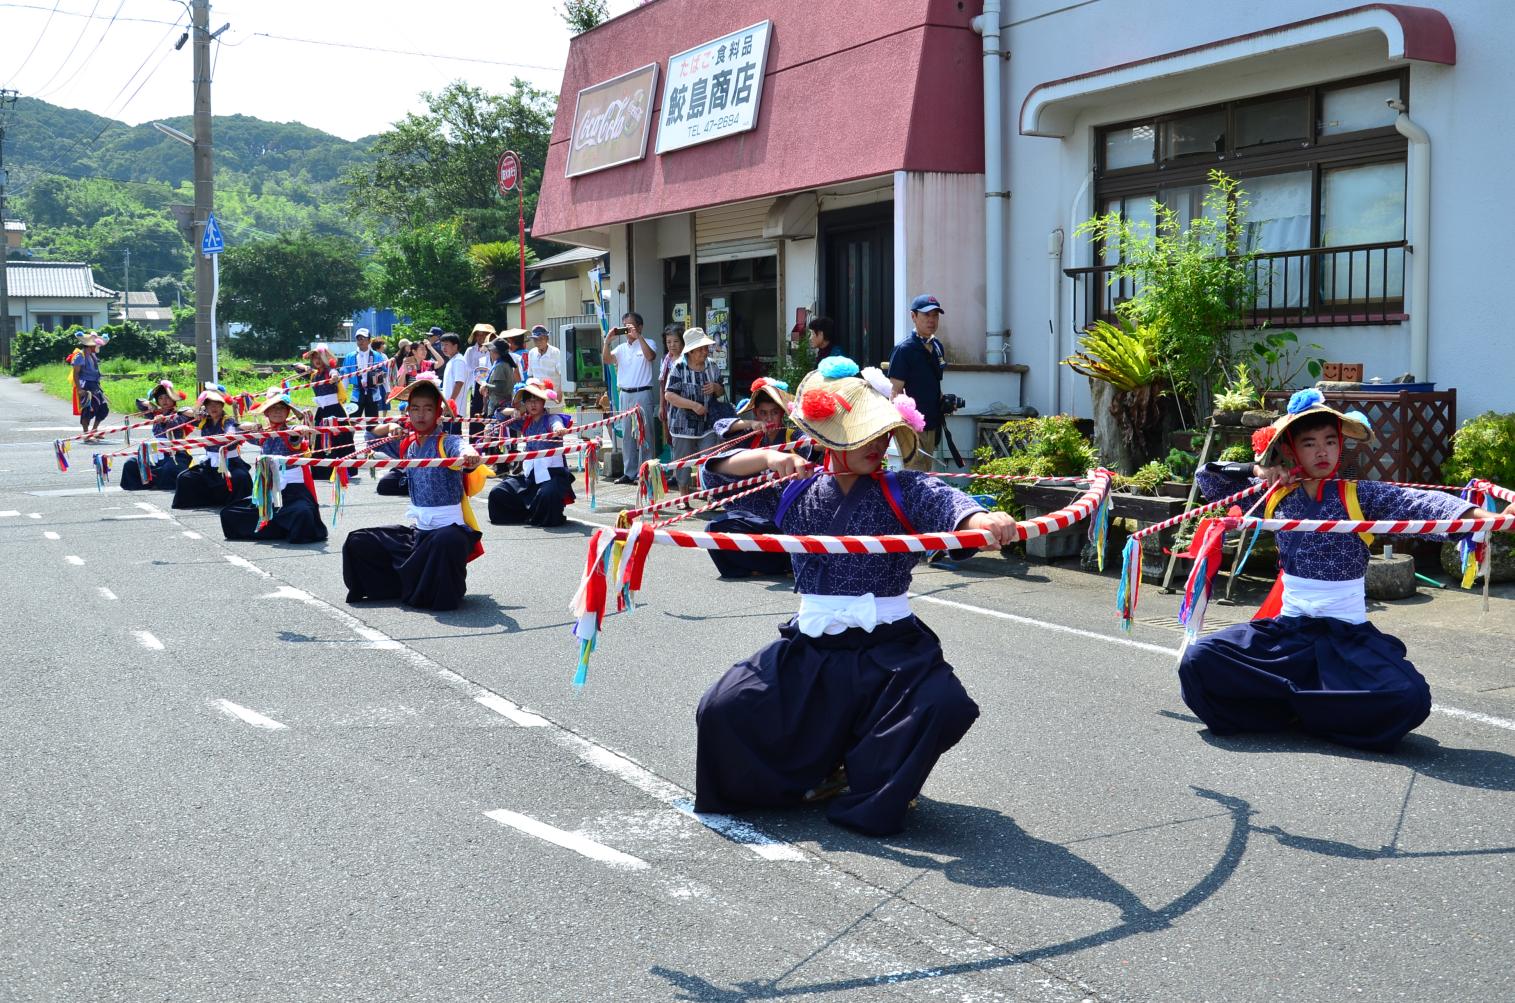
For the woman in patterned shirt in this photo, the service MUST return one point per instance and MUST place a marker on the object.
(694, 389)
(855, 692)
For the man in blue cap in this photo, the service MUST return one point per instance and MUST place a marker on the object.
(915, 369)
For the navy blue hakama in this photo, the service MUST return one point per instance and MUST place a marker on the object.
(884, 704)
(204, 486)
(297, 520)
(1348, 683)
(393, 484)
(518, 499)
(741, 564)
(165, 472)
(427, 569)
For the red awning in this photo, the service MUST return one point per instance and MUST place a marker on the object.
(851, 91)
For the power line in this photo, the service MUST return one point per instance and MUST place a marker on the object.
(85, 61)
(322, 42)
(40, 35)
(75, 48)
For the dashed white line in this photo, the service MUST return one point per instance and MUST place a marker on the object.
(9, 513)
(190, 534)
(147, 640)
(34, 515)
(249, 715)
(568, 840)
(74, 492)
(50, 535)
(106, 593)
(73, 559)
(643, 779)
(1046, 625)
(1473, 715)
(506, 709)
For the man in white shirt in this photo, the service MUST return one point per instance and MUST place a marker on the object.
(545, 360)
(457, 378)
(370, 388)
(633, 361)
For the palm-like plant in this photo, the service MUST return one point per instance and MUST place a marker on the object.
(1122, 355)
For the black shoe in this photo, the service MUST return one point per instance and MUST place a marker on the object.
(623, 479)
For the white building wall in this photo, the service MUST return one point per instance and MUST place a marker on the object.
(1464, 108)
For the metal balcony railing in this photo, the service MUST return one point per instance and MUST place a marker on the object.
(1317, 287)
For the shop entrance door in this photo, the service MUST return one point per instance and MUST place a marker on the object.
(857, 279)
(739, 308)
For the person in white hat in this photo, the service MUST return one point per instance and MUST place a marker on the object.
(298, 517)
(219, 475)
(695, 395)
(169, 424)
(1310, 660)
(854, 700)
(539, 493)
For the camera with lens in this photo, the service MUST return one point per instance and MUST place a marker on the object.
(952, 403)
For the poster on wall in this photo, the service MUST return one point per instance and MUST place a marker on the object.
(714, 90)
(611, 121)
(718, 327)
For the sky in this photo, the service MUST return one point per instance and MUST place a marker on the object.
(127, 69)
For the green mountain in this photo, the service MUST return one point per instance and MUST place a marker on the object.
(91, 188)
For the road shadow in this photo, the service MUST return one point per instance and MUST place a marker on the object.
(980, 859)
(1483, 769)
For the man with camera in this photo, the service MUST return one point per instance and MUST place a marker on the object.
(633, 360)
(915, 369)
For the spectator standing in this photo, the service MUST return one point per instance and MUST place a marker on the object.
(673, 347)
(370, 387)
(476, 357)
(457, 378)
(915, 369)
(545, 360)
(503, 377)
(694, 395)
(823, 338)
(633, 360)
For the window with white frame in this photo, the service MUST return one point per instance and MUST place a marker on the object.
(1323, 169)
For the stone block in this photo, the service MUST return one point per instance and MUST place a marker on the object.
(1391, 577)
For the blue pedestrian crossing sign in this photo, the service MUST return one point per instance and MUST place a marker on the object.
(212, 242)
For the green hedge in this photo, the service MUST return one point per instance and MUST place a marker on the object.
(127, 341)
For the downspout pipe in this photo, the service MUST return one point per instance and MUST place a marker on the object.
(996, 197)
(1054, 319)
(1419, 185)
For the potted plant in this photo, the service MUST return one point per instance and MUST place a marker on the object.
(1192, 282)
(1238, 396)
(1050, 446)
(1128, 391)
(1484, 447)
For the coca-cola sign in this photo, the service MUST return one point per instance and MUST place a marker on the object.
(611, 122)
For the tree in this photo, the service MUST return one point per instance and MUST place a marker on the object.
(440, 166)
(428, 274)
(499, 265)
(292, 290)
(581, 15)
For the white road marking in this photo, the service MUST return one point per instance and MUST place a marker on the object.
(506, 709)
(73, 559)
(9, 513)
(49, 534)
(190, 534)
(149, 510)
(147, 640)
(72, 492)
(672, 795)
(252, 717)
(1046, 625)
(1473, 715)
(106, 593)
(568, 840)
(34, 515)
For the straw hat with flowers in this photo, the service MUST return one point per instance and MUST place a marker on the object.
(1308, 404)
(843, 407)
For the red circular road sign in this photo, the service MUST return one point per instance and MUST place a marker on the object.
(509, 172)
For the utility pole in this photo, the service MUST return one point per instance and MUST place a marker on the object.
(7, 99)
(126, 287)
(205, 192)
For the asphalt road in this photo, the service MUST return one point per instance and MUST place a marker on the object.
(220, 782)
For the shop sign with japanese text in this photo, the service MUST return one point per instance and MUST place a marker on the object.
(611, 121)
(713, 90)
